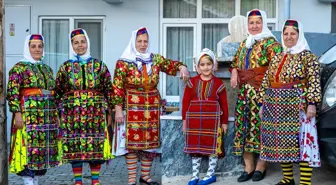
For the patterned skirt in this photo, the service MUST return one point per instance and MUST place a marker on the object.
(36, 147)
(84, 127)
(281, 125)
(142, 119)
(247, 123)
(203, 130)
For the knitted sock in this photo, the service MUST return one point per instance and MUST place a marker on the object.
(95, 170)
(131, 163)
(212, 165)
(196, 164)
(287, 170)
(306, 173)
(77, 170)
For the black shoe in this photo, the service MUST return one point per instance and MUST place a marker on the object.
(245, 176)
(142, 181)
(258, 175)
(291, 182)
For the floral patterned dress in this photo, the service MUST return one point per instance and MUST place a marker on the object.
(137, 91)
(35, 147)
(84, 92)
(251, 64)
(287, 135)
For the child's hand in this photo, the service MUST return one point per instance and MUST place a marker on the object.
(184, 126)
(225, 128)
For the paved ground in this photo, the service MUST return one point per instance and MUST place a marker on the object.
(321, 176)
(113, 174)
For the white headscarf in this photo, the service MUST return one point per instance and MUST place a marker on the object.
(26, 53)
(73, 55)
(130, 54)
(251, 39)
(301, 43)
(210, 53)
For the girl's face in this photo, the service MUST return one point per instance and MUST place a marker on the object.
(36, 49)
(205, 66)
(255, 25)
(79, 45)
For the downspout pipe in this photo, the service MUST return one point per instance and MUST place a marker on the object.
(287, 9)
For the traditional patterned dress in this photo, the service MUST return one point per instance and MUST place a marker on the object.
(251, 64)
(205, 110)
(291, 83)
(84, 90)
(136, 89)
(35, 147)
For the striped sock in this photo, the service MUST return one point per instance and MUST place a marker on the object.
(146, 165)
(131, 163)
(305, 173)
(95, 169)
(77, 170)
(287, 170)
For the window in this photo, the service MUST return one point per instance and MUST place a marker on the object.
(56, 34)
(190, 25)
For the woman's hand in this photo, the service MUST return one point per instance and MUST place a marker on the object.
(184, 73)
(234, 78)
(260, 112)
(311, 111)
(119, 115)
(18, 120)
(184, 126)
(109, 118)
(225, 128)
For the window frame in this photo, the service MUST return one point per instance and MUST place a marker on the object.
(198, 21)
(72, 21)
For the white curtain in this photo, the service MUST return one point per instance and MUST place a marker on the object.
(212, 34)
(218, 8)
(94, 31)
(179, 8)
(56, 45)
(269, 6)
(180, 44)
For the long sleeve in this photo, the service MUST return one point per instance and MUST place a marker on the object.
(235, 60)
(272, 48)
(13, 88)
(313, 78)
(106, 75)
(118, 85)
(167, 65)
(224, 106)
(186, 100)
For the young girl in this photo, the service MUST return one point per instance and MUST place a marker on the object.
(205, 117)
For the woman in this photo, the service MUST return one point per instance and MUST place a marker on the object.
(248, 68)
(83, 86)
(34, 132)
(135, 86)
(288, 128)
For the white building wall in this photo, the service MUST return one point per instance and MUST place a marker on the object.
(314, 15)
(121, 19)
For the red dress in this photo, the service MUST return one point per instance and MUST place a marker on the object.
(205, 109)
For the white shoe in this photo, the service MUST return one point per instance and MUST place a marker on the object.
(36, 178)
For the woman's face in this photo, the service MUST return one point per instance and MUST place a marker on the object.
(141, 43)
(79, 44)
(255, 25)
(36, 49)
(290, 36)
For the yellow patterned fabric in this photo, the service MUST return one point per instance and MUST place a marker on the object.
(303, 66)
